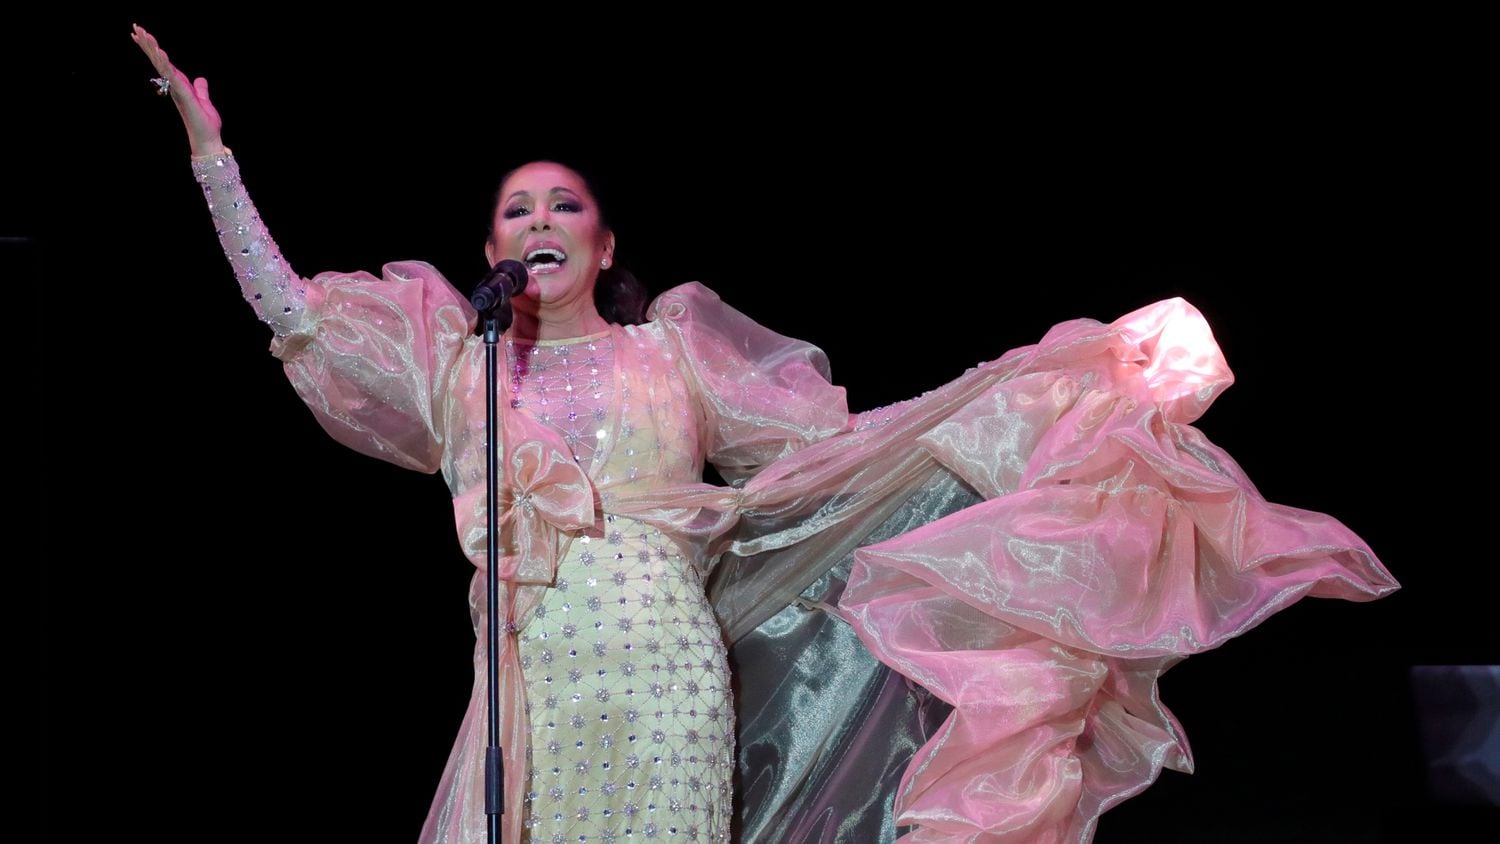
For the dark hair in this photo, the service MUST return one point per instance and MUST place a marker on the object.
(620, 297)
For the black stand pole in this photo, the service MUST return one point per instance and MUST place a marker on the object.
(492, 300)
(494, 764)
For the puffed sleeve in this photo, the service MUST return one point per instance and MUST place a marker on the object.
(761, 395)
(372, 357)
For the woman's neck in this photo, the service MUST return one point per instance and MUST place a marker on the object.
(557, 324)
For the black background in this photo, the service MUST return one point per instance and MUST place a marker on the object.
(269, 635)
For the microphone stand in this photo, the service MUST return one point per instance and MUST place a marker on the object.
(494, 764)
(494, 318)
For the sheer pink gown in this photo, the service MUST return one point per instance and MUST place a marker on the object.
(1111, 539)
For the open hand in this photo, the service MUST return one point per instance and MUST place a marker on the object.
(198, 113)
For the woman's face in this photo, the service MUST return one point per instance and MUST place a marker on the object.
(547, 219)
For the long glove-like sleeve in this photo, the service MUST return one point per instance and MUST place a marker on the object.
(269, 285)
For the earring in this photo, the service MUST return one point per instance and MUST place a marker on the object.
(604, 263)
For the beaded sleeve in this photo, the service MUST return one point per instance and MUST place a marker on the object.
(268, 283)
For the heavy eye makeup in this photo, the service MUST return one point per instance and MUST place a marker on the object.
(557, 205)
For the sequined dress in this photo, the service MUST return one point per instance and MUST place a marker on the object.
(1031, 545)
(627, 685)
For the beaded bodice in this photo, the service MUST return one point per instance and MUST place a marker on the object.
(567, 384)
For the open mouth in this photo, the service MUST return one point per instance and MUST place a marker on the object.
(545, 259)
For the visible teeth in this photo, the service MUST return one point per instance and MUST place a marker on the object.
(546, 254)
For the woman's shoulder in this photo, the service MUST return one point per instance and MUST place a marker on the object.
(676, 312)
(683, 301)
(695, 308)
(410, 303)
(409, 271)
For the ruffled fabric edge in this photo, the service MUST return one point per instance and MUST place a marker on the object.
(1115, 540)
(372, 359)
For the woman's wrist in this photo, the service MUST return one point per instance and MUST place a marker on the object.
(209, 150)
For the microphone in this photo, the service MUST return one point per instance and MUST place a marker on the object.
(504, 280)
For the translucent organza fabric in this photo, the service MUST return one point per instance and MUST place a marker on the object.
(1027, 547)
(1115, 540)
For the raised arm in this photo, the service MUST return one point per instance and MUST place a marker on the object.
(374, 358)
(268, 284)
